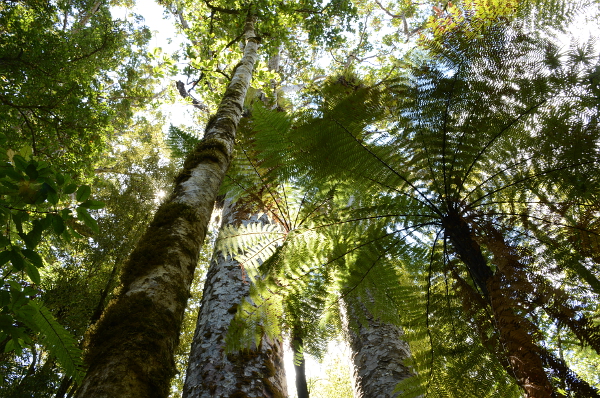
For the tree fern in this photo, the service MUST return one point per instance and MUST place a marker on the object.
(462, 178)
(55, 338)
(181, 142)
(468, 155)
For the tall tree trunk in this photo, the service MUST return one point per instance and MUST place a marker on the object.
(378, 352)
(299, 367)
(258, 372)
(130, 350)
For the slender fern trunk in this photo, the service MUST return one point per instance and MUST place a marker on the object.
(130, 349)
(516, 332)
(258, 372)
(300, 368)
(378, 353)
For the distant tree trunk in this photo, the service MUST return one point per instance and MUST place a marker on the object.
(300, 368)
(251, 373)
(130, 350)
(378, 353)
(63, 387)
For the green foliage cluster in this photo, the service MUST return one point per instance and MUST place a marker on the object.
(35, 201)
(70, 74)
(464, 194)
(71, 77)
(289, 31)
(335, 382)
(80, 274)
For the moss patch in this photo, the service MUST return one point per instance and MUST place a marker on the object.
(271, 389)
(153, 247)
(142, 336)
(270, 368)
(210, 149)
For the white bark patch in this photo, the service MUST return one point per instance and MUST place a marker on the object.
(378, 354)
(210, 372)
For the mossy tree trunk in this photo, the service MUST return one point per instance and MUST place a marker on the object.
(378, 352)
(258, 372)
(130, 350)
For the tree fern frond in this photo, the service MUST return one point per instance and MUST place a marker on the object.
(57, 340)
(236, 240)
(181, 142)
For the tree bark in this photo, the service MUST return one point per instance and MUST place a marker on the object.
(516, 332)
(378, 352)
(130, 349)
(258, 372)
(300, 368)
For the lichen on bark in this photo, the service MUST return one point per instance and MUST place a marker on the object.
(251, 373)
(378, 352)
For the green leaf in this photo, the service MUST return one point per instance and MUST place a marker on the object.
(58, 341)
(60, 179)
(44, 222)
(33, 273)
(4, 298)
(4, 213)
(45, 172)
(6, 321)
(31, 171)
(4, 256)
(13, 345)
(58, 224)
(66, 235)
(92, 204)
(69, 189)
(20, 162)
(34, 257)
(18, 218)
(16, 259)
(48, 184)
(33, 238)
(26, 239)
(10, 172)
(4, 241)
(88, 220)
(53, 197)
(10, 186)
(83, 193)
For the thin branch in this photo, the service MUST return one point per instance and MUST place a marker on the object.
(81, 23)
(185, 93)
(221, 9)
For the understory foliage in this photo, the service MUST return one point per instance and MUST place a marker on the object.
(71, 78)
(464, 194)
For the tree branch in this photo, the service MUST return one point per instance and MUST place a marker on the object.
(86, 17)
(184, 93)
(220, 9)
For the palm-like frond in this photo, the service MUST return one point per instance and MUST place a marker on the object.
(469, 148)
(464, 176)
(58, 341)
(181, 142)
